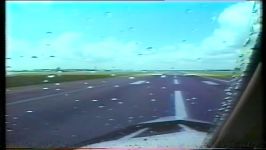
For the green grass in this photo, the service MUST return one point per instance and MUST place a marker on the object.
(214, 74)
(24, 80)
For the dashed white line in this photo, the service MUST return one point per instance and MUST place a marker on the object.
(180, 110)
(176, 81)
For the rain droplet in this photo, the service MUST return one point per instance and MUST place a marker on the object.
(85, 83)
(193, 98)
(227, 90)
(188, 10)
(153, 100)
(34, 57)
(149, 47)
(111, 119)
(228, 93)
(131, 77)
(209, 109)
(57, 83)
(116, 86)
(95, 100)
(163, 76)
(45, 88)
(29, 111)
(114, 99)
(45, 81)
(120, 102)
(188, 99)
(113, 75)
(9, 130)
(163, 87)
(147, 82)
(57, 89)
(51, 76)
(90, 87)
(101, 106)
(77, 100)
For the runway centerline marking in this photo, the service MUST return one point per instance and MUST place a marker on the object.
(180, 109)
(210, 82)
(176, 81)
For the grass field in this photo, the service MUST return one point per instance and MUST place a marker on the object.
(214, 74)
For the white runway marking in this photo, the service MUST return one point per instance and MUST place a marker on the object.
(180, 110)
(176, 81)
(138, 82)
(210, 82)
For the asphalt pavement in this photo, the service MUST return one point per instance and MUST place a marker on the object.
(63, 114)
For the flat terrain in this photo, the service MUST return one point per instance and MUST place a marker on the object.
(66, 113)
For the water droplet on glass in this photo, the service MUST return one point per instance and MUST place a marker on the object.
(188, 10)
(77, 100)
(29, 111)
(45, 81)
(8, 130)
(114, 99)
(228, 93)
(34, 57)
(120, 102)
(101, 106)
(163, 76)
(51, 76)
(116, 86)
(209, 109)
(57, 83)
(90, 87)
(149, 47)
(57, 89)
(193, 98)
(45, 88)
(85, 83)
(131, 77)
(95, 100)
(153, 100)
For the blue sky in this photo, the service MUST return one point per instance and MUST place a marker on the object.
(116, 34)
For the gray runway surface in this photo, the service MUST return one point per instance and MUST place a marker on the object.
(66, 114)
